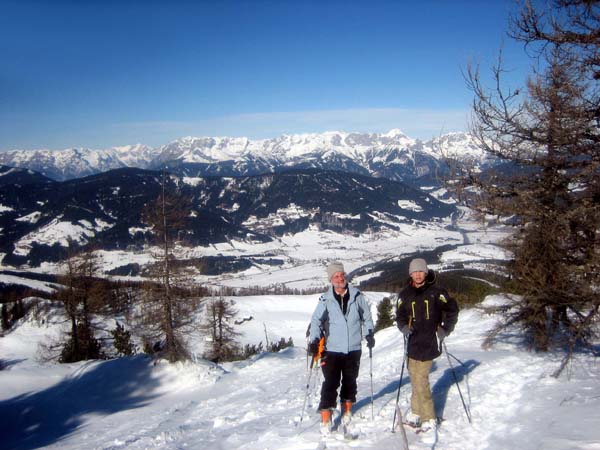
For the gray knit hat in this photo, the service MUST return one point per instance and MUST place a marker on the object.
(418, 265)
(333, 268)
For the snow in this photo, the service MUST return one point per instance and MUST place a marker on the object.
(193, 181)
(291, 212)
(59, 232)
(8, 172)
(55, 232)
(305, 254)
(5, 208)
(33, 284)
(31, 218)
(409, 204)
(134, 230)
(214, 149)
(132, 403)
(467, 253)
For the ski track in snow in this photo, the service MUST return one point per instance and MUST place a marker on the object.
(256, 404)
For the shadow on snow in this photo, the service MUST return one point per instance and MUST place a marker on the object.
(439, 391)
(6, 363)
(389, 389)
(443, 385)
(41, 418)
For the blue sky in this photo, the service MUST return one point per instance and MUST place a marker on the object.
(104, 73)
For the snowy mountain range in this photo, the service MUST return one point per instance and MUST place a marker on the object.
(391, 155)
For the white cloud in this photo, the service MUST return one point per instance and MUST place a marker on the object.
(416, 123)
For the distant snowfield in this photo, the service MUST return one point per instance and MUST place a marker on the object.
(131, 403)
(59, 232)
(300, 258)
(33, 284)
(468, 253)
(304, 255)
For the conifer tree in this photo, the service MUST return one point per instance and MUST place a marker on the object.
(78, 280)
(385, 316)
(218, 325)
(169, 300)
(122, 340)
(548, 135)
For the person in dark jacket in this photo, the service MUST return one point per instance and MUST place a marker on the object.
(425, 314)
(343, 316)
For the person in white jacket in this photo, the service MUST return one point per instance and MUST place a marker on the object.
(343, 316)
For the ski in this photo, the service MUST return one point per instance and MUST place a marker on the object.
(417, 428)
(412, 427)
(335, 440)
(349, 434)
(429, 437)
(337, 437)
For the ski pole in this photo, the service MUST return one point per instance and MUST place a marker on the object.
(457, 360)
(404, 362)
(371, 373)
(400, 383)
(313, 360)
(397, 408)
(310, 371)
(457, 385)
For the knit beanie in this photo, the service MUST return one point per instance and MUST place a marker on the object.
(333, 268)
(417, 265)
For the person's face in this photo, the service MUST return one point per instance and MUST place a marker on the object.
(338, 280)
(418, 278)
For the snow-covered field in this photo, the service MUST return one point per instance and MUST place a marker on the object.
(132, 403)
(302, 257)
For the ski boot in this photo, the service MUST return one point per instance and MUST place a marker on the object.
(326, 422)
(413, 420)
(346, 412)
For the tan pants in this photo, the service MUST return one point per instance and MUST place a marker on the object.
(421, 402)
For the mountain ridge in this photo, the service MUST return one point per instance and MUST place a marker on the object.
(392, 155)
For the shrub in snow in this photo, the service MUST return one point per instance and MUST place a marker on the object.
(122, 341)
(385, 316)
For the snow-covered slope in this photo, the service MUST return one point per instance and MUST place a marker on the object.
(131, 403)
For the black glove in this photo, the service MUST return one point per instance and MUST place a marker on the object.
(370, 340)
(406, 330)
(441, 334)
(313, 347)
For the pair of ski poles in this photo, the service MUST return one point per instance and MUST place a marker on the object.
(405, 362)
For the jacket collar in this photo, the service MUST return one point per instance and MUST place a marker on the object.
(430, 280)
(351, 290)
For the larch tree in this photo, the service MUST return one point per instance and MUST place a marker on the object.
(218, 324)
(169, 299)
(547, 134)
(77, 296)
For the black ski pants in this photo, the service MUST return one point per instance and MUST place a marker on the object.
(338, 366)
